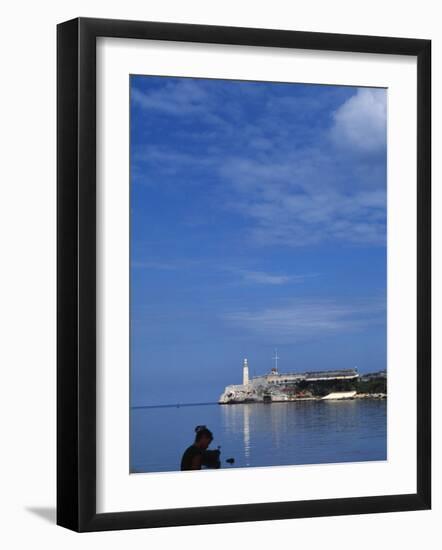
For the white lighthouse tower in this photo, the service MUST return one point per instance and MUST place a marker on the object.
(245, 373)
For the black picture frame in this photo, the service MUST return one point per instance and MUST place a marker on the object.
(76, 273)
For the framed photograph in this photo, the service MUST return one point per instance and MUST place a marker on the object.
(243, 274)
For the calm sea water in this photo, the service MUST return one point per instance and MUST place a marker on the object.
(258, 434)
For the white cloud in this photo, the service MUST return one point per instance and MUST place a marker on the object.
(360, 123)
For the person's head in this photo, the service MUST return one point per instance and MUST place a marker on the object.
(203, 437)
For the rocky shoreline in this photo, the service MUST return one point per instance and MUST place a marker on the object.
(371, 396)
(330, 397)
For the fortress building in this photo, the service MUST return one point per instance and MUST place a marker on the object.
(289, 386)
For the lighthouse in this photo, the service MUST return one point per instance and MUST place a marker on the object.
(245, 373)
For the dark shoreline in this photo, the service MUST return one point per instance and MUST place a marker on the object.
(357, 397)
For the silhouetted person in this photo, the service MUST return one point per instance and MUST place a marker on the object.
(195, 456)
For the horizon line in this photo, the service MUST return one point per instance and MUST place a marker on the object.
(173, 405)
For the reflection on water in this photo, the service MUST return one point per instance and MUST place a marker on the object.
(246, 431)
(257, 434)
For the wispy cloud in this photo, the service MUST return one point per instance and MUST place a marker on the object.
(170, 162)
(289, 188)
(302, 319)
(300, 201)
(179, 98)
(263, 278)
(176, 97)
(238, 274)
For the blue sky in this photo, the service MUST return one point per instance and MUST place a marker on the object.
(258, 221)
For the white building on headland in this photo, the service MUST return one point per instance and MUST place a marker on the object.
(273, 386)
